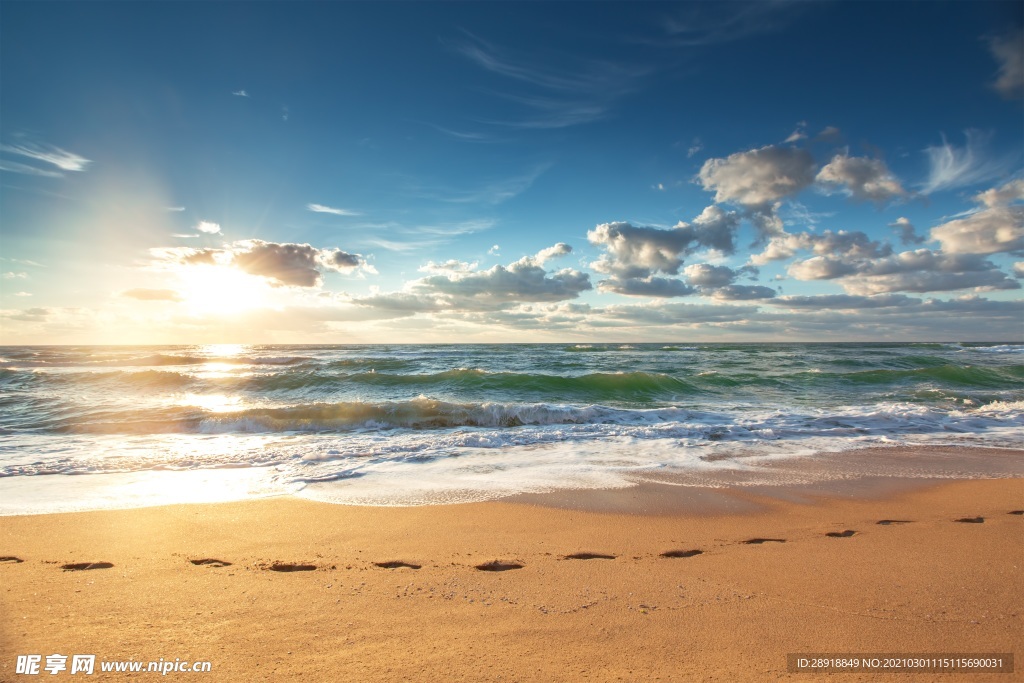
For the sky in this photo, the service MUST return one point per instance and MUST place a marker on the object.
(391, 172)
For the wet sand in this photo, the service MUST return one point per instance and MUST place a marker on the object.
(629, 588)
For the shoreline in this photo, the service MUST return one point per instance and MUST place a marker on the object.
(593, 598)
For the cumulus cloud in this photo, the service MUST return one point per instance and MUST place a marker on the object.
(661, 287)
(844, 244)
(997, 227)
(555, 251)
(906, 231)
(152, 294)
(1009, 53)
(463, 287)
(449, 266)
(951, 167)
(1018, 269)
(865, 179)
(209, 227)
(759, 177)
(639, 252)
(283, 264)
(922, 270)
(678, 313)
(707, 275)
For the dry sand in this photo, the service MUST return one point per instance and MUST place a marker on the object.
(732, 612)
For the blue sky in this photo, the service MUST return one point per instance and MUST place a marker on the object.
(488, 171)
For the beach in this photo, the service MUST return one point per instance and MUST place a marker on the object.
(544, 589)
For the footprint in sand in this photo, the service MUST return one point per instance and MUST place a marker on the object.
(971, 520)
(289, 567)
(11, 558)
(759, 541)
(888, 522)
(682, 553)
(841, 534)
(588, 556)
(1015, 512)
(210, 562)
(397, 564)
(82, 566)
(498, 566)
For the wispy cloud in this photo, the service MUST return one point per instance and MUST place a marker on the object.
(239, 93)
(25, 169)
(321, 208)
(709, 23)
(493, 193)
(951, 167)
(62, 159)
(1009, 52)
(575, 92)
(174, 208)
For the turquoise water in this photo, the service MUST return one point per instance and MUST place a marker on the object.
(404, 424)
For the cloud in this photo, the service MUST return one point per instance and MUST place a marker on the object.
(907, 234)
(708, 23)
(661, 287)
(25, 169)
(283, 264)
(678, 313)
(555, 251)
(844, 244)
(498, 287)
(239, 93)
(209, 227)
(152, 294)
(998, 227)
(493, 251)
(578, 92)
(758, 177)
(62, 159)
(866, 179)
(175, 209)
(922, 270)
(951, 167)
(707, 275)
(694, 148)
(11, 275)
(493, 193)
(1009, 53)
(320, 208)
(741, 292)
(1018, 269)
(30, 315)
(847, 301)
(639, 252)
(449, 266)
(828, 134)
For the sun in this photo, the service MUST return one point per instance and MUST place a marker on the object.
(220, 290)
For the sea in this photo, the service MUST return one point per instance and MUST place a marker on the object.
(91, 427)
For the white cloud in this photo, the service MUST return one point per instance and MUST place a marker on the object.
(1018, 269)
(844, 244)
(239, 93)
(742, 292)
(637, 251)
(25, 169)
(449, 266)
(174, 209)
(951, 167)
(62, 159)
(10, 275)
(209, 227)
(922, 270)
(320, 208)
(696, 147)
(495, 288)
(866, 179)
(493, 251)
(758, 177)
(555, 251)
(1009, 52)
(998, 227)
(707, 275)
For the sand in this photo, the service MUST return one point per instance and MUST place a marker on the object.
(583, 595)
